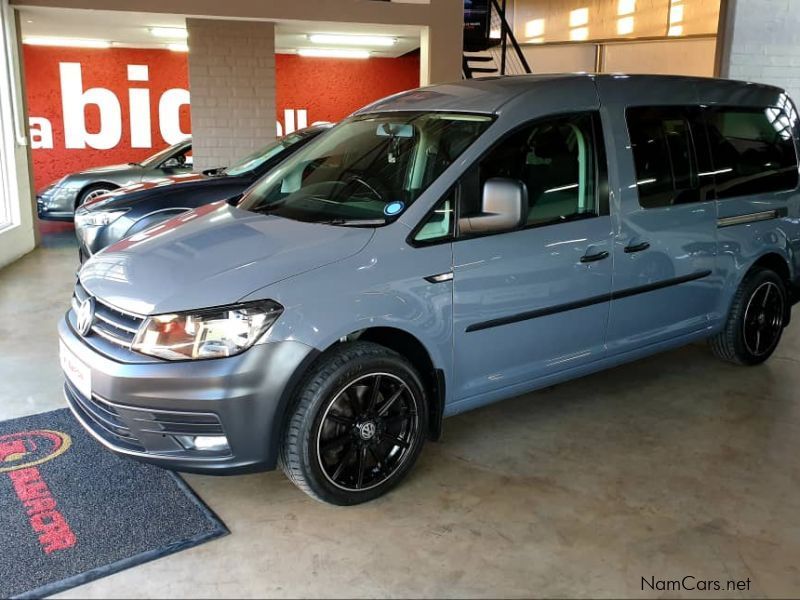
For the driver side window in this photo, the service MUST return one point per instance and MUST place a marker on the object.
(560, 162)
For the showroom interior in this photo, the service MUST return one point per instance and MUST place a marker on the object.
(671, 475)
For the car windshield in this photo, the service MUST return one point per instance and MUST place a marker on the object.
(153, 161)
(366, 170)
(262, 155)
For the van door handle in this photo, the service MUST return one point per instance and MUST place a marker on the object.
(631, 248)
(587, 258)
(440, 278)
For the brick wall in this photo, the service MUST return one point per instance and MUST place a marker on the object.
(232, 81)
(764, 43)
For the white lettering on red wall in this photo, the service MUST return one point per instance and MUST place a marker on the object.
(97, 107)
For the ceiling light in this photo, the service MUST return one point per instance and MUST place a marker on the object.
(178, 47)
(169, 32)
(333, 53)
(351, 40)
(66, 42)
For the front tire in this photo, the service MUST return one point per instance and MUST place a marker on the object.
(94, 191)
(358, 426)
(756, 320)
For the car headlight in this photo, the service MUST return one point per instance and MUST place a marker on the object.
(207, 333)
(97, 218)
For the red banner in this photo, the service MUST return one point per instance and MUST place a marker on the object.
(98, 107)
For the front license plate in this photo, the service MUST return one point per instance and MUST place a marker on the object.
(79, 374)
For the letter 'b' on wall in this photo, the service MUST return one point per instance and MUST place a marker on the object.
(74, 101)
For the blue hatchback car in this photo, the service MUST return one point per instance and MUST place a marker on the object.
(439, 250)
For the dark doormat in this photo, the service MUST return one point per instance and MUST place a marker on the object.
(72, 512)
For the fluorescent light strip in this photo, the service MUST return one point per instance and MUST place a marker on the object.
(169, 32)
(66, 42)
(178, 47)
(351, 40)
(333, 53)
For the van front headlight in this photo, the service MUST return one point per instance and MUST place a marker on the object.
(206, 333)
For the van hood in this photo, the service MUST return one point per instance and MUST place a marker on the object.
(212, 256)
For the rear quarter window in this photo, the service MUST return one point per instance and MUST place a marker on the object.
(753, 150)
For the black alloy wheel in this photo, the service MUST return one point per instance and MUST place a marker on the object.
(367, 431)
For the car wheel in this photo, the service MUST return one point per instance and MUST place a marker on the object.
(93, 191)
(358, 426)
(756, 320)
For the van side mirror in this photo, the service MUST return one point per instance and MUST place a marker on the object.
(504, 206)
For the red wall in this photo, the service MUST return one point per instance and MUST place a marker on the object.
(333, 88)
(329, 89)
(100, 68)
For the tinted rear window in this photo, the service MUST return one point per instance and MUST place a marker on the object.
(752, 149)
(662, 140)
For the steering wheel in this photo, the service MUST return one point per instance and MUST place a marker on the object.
(353, 177)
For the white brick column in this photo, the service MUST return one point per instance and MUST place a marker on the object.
(232, 86)
(760, 42)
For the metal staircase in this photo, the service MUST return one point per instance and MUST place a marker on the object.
(490, 48)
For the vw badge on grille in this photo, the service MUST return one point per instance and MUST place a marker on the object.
(85, 316)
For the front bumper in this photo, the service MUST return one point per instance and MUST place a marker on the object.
(138, 408)
(56, 205)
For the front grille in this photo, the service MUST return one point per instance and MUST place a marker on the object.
(103, 418)
(116, 326)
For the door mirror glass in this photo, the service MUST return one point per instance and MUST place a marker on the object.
(504, 206)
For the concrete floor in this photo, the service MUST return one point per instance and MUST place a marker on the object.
(675, 465)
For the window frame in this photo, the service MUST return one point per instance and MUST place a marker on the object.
(601, 183)
(700, 148)
(707, 110)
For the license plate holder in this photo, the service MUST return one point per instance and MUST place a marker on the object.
(78, 373)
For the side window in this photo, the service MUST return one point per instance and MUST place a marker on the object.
(665, 143)
(439, 225)
(561, 162)
(753, 150)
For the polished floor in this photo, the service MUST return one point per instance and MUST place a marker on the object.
(674, 466)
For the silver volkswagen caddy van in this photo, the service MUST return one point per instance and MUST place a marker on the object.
(439, 250)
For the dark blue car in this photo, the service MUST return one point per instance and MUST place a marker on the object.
(102, 221)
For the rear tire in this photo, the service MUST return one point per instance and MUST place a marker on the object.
(756, 320)
(358, 426)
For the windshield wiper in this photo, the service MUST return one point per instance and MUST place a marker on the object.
(133, 164)
(354, 222)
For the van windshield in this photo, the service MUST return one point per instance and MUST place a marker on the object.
(367, 170)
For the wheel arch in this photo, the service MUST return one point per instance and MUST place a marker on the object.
(781, 266)
(91, 184)
(399, 340)
(408, 346)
